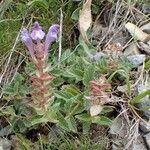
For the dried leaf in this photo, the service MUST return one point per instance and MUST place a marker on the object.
(85, 20)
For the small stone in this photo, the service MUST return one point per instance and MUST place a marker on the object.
(145, 128)
(145, 101)
(146, 27)
(148, 43)
(117, 145)
(131, 50)
(5, 131)
(118, 127)
(5, 144)
(139, 144)
(136, 60)
(144, 47)
(146, 9)
(97, 56)
(147, 140)
(122, 89)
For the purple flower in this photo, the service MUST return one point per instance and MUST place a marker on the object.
(37, 32)
(51, 36)
(26, 39)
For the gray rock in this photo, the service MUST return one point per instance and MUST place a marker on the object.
(145, 101)
(117, 145)
(145, 128)
(122, 89)
(131, 50)
(146, 27)
(5, 144)
(118, 127)
(136, 60)
(97, 56)
(139, 144)
(146, 9)
(5, 131)
(147, 140)
(144, 47)
(148, 43)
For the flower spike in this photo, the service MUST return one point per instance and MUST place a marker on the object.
(51, 36)
(26, 39)
(37, 32)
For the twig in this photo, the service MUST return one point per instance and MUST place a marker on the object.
(60, 35)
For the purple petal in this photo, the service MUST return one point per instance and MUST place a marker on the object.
(26, 39)
(37, 32)
(51, 36)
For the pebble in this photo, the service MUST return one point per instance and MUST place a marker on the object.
(146, 28)
(97, 56)
(144, 47)
(147, 140)
(5, 144)
(145, 128)
(136, 60)
(131, 50)
(146, 9)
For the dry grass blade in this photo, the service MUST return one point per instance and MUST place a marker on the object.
(85, 20)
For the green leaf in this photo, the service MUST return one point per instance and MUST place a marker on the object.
(57, 82)
(84, 117)
(42, 3)
(24, 143)
(63, 95)
(101, 120)
(74, 73)
(8, 90)
(75, 14)
(57, 72)
(140, 97)
(65, 55)
(73, 90)
(72, 124)
(86, 127)
(88, 74)
(7, 111)
(37, 120)
(147, 65)
(19, 78)
(106, 109)
(62, 122)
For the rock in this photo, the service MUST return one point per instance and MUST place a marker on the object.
(122, 89)
(145, 128)
(146, 28)
(146, 9)
(5, 144)
(97, 56)
(148, 43)
(117, 145)
(118, 127)
(147, 140)
(131, 50)
(5, 131)
(136, 60)
(137, 33)
(139, 144)
(145, 101)
(144, 47)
